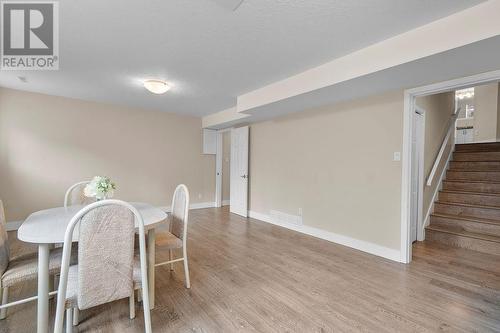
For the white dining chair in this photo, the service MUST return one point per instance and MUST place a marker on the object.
(75, 195)
(20, 269)
(105, 260)
(176, 236)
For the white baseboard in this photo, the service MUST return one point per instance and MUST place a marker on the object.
(260, 216)
(198, 205)
(482, 141)
(13, 225)
(225, 202)
(357, 244)
(201, 205)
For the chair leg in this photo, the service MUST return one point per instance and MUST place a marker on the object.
(147, 312)
(139, 295)
(5, 299)
(170, 257)
(69, 320)
(55, 283)
(52, 281)
(76, 316)
(186, 272)
(131, 304)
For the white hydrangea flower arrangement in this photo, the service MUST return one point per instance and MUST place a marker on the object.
(100, 188)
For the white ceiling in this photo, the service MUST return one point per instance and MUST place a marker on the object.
(209, 53)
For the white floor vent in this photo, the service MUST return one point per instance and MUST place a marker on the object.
(284, 218)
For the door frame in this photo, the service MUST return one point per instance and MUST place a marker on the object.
(219, 152)
(420, 186)
(410, 96)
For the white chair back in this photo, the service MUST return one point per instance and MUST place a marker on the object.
(4, 241)
(105, 255)
(180, 212)
(74, 195)
(100, 224)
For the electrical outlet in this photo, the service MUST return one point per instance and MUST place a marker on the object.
(397, 156)
(200, 196)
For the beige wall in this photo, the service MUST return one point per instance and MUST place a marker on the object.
(47, 143)
(226, 170)
(438, 110)
(465, 122)
(336, 163)
(485, 112)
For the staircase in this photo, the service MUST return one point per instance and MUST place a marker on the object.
(467, 213)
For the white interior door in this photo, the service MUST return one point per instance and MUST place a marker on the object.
(218, 170)
(417, 173)
(239, 171)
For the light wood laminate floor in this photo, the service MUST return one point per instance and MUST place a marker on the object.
(250, 276)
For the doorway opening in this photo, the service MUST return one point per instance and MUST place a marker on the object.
(464, 100)
(226, 168)
(425, 168)
(231, 168)
(222, 167)
(417, 177)
(478, 118)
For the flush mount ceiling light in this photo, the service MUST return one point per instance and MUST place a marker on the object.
(156, 86)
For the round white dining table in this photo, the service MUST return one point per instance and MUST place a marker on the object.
(47, 227)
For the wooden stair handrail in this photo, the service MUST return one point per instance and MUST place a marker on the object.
(439, 157)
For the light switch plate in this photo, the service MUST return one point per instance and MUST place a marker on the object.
(397, 156)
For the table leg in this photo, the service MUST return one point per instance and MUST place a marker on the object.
(151, 267)
(52, 279)
(43, 289)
